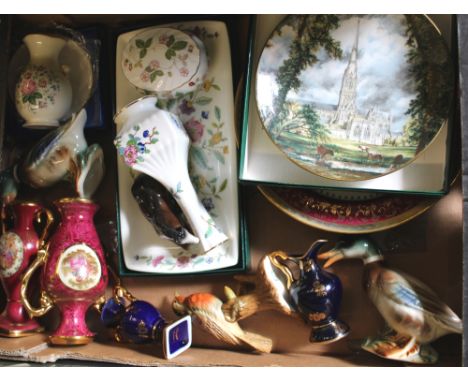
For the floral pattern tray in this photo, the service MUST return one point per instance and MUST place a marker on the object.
(208, 116)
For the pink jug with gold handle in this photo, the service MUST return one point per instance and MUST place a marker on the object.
(18, 246)
(74, 273)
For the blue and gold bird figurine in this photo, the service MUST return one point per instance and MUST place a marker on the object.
(416, 316)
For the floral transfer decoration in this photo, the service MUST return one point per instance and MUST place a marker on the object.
(136, 147)
(204, 124)
(203, 115)
(11, 254)
(182, 260)
(37, 87)
(79, 267)
(160, 58)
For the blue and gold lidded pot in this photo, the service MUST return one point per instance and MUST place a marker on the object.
(317, 295)
(141, 323)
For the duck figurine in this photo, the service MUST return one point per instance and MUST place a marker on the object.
(416, 316)
(207, 309)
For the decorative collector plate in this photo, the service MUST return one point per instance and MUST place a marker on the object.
(208, 116)
(348, 212)
(351, 97)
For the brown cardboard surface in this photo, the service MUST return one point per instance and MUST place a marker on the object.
(435, 259)
(149, 355)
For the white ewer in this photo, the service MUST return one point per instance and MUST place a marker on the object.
(153, 141)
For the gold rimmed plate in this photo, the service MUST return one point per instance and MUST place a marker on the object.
(347, 212)
(354, 97)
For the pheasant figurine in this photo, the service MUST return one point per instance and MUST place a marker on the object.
(415, 315)
(207, 309)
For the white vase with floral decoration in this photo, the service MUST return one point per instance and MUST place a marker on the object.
(43, 92)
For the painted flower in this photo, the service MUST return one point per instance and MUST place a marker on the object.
(183, 58)
(208, 204)
(216, 138)
(207, 84)
(194, 129)
(141, 147)
(130, 155)
(42, 83)
(184, 72)
(27, 75)
(144, 76)
(7, 260)
(163, 38)
(205, 114)
(28, 87)
(190, 48)
(157, 260)
(183, 261)
(145, 133)
(154, 64)
(80, 267)
(186, 107)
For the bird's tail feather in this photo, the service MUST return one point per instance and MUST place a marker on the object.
(257, 342)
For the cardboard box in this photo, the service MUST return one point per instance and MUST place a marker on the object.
(429, 247)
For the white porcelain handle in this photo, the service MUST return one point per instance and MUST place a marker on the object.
(199, 219)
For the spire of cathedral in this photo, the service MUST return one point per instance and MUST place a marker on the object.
(347, 101)
(355, 50)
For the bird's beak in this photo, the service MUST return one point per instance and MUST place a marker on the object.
(178, 305)
(331, 256)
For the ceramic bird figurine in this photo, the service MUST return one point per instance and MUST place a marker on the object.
(207, 309)
(8, 186)
(271, 284)
(414, 313)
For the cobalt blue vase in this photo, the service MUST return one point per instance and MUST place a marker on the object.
(141, 323)
(317, 295)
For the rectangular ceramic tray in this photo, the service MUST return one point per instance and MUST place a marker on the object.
(428, 174)
(213, 164)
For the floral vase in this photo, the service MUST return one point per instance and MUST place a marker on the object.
(43, 92)
(17, 248)
(154, 142)
(74, 273)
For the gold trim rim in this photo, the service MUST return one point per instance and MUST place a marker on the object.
(26, 203)
(406, 216)
(70, 340)
(73, 200)
(341, 333)
(17, 333)
(131, 103)
(305, 168)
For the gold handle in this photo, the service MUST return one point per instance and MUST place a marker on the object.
(49, 220)
(46, 301)
(283, 268)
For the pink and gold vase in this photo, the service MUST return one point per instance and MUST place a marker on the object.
(18, 246)
(74, 273)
